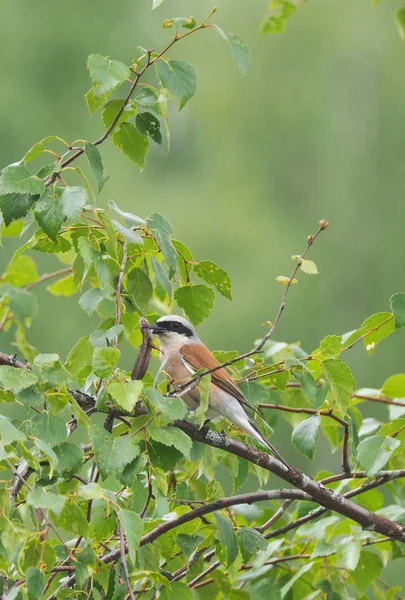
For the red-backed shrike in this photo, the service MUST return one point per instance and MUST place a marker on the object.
(182, 354)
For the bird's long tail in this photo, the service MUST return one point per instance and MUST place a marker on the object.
(255, 432)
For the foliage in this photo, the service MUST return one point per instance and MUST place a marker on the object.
(101, 491)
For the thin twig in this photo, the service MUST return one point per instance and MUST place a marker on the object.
(124, 561)
(118, 289)
(47, 276)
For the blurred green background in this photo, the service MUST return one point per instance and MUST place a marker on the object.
(315, 130)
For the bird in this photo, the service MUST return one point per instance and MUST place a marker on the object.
(182, 354)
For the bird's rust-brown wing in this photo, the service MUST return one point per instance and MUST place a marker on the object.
(199, 357)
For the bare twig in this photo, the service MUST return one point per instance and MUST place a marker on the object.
(47, 276)
(118, 289)
(124, 562)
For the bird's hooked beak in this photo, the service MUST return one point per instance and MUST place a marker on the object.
(156, 329)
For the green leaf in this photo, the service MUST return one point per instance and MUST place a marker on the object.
(39, 497)
(104, 337)
(179, 22)
(308, 383)
(17, 179)
(331, 346)
(172, 408)
(394, 386)
(35, 584)
(9, 433)
(374, 452)
(156, 3)
(204, 387)
(95, 102)
(112, 454)
(149, 125)
(225, 534)
(132, 525)
(140, 287)
(178, 589)
(105, 360)
(348, 553)
(128, 234)
(305, 437)
(397, 303)
(215, 276)
(111, 110)
(172, 437)
(65, 286)
(286, 588)
(251, 540)
(132, 143)
(106, 74)
(341, 381)
(90, 300)
(70, 459)
(48, 428)
(15, 206)
(309, 267)
(130, 220)
(179, 77)
(96, 164)
(239, 49)
(79, 356)
(23, 304)
(377, 331)
(49, 212)
(162, 277)
(126, 394)
(276, 21)
(21, 271)
(16, 380)
(367, 571)
(188, 543)
(74, 198)
(147, 97)
(197, 301)
(400, 18)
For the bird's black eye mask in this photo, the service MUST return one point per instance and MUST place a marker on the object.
(174, 326)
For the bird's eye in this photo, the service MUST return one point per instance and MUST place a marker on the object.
(176, 325)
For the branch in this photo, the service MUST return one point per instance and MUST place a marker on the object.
(311, 238)
(124, 562)
(118, 289)
(150, 61)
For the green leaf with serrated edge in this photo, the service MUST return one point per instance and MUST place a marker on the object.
(111, 110)
(49, 369)
(251, 540)
(17, 179)
(47, 450)
(96, 164)
(170, 437)
(308, 383)
(162, 277)
(65, 286)
(367, 571)
(149, 125)
(15, 206)
(348, 553)
(147, 98)
(341, 381)
(104, 337)
(95, 102)
(377, 331)
(171, 408)
(39, 497)
(179, 77)
(90, 300)
(156, 3)
(9, 433)
(112, 454)
(225, 534)
(309, 267)
(106, 74)
(49, 212)
(394, 386)
(239, 49)
(70, 459)
(126, 394)
(128, 234)
(215, 276)
(132, 525)
(254, 392)
(374, 452)
(23, 304)
(204, 387)
(80, 354)
(74, 198)
(35, 584)
(132, 143)
(331, 346)
(105, 360)
(197, 301)
(130, 219)
(179, 22)
(286, 588)
(397, 303)
(400, 18)
(305, 437)
(47, 427)
(276, 21)
(20, 271)
(178, 589)
(16, 380)
(140, 287)
(159, 222)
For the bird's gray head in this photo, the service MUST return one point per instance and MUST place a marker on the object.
(174, 330)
